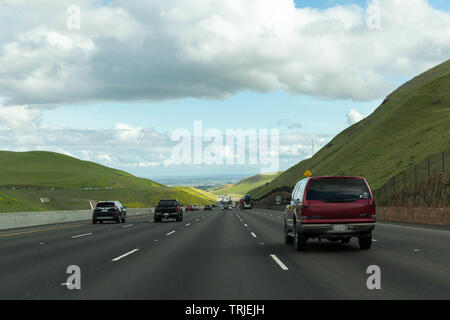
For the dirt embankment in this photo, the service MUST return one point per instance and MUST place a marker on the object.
(433, 192)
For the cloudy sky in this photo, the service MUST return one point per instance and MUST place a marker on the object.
(115, 89)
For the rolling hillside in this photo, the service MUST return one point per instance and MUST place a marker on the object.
(245, 185)
(411, 125)
(68, 183)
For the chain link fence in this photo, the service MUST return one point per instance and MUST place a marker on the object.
(434, 165)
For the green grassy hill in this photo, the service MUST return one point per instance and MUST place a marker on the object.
(412, 124)
(70, 183)
(198, 193)
(245, 185)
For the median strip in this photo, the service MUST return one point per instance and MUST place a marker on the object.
(124, 255)
(279, 262)
(40, 230)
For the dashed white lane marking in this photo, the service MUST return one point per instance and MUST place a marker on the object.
(156, 240)
(279, 262)
(197, 220)
(375, 240)
(127, 226)
(416, 250)
(151, 221)
(81, 235)
(245, 225)
(188, 224)
(171, 232)
(124, 255)
(254, 235)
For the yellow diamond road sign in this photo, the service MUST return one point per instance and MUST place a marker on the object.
(308, 173)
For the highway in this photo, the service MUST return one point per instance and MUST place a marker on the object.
(219, 254)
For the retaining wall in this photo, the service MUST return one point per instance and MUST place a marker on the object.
(28, 219)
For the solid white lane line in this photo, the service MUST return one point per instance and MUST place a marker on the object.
(128, 225)
(279, 262)
(171, 232)
(81, 235)
(254, 235)
(408, 227)
(124, 255)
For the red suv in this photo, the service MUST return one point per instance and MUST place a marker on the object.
(332, 208)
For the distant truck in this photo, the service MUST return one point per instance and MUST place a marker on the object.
(168, 209)
(246, 202)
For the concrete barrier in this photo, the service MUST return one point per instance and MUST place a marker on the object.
(29, 219)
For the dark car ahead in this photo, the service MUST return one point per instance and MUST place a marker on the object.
(207, 207)
(109, 211)
(246, 202)
(332, 208)
(168, 209)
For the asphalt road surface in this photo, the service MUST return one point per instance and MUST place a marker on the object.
(219, 254)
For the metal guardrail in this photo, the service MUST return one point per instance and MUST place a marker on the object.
(436, 164)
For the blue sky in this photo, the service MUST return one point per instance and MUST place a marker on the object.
(114, 92)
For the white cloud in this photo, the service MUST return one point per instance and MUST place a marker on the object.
(18, 117)
(353, 116)
(155, 50)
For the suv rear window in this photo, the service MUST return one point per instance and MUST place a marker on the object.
(105, 205)
(167, 203)
(337, 190)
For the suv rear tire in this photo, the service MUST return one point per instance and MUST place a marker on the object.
(365, 242)
(300, 241)
(287, 238)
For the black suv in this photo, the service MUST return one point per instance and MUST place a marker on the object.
(168, 209)
(109, 211)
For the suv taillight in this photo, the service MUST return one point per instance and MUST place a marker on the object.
(372, 210)
(156, 209)
(178, 208)
(305, 212)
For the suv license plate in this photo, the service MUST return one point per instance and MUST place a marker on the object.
(339, 227)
